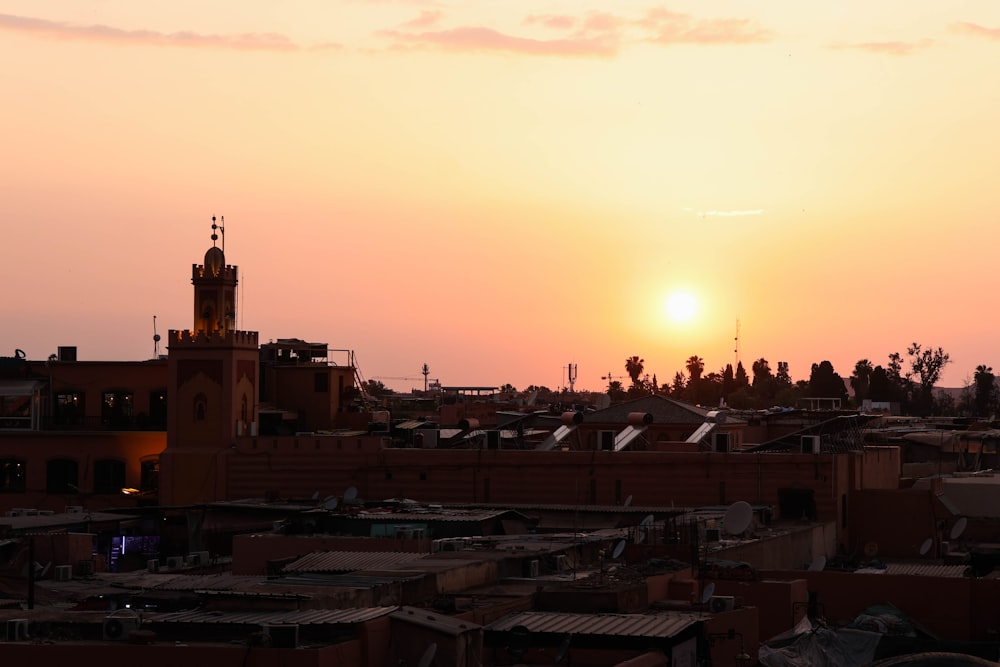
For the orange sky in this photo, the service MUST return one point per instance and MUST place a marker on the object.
(501, 188)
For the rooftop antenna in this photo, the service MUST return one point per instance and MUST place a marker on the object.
(425, 370)
(571, 375)
(156, 340)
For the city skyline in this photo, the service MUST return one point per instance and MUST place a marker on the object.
(500, 190)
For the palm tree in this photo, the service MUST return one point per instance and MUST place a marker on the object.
(695, 365)
(861, 380)
(633, 366)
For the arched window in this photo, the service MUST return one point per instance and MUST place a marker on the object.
(109, 476)
(13, 476)
(62, 476)
(200, 407)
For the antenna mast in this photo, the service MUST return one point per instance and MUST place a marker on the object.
(737, 348)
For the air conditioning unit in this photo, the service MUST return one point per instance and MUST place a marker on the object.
(810, 444)
(606, 441)
(282, 635)
(73, 509)
(719, 603)
(63, 573)
(533, 568)
(117, 628)
(175, 562)
(85, 568)
(17, 511)
(153, 565)
(17, 629)
(713, 534)
(562, 562)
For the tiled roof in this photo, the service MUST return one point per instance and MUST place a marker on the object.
(618, 625)
(349, 561)
(300, 617)
(664, 410)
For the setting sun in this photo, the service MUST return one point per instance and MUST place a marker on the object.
(681, 307)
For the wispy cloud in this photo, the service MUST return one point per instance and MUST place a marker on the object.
(886, 48)
(426, 19)
(107, 34)
(488, 39)
(666, 27)
(592, 34)
(976, 30)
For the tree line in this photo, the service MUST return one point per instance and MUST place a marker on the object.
(907, 381)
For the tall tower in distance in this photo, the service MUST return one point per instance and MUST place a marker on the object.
(214, 289)
(212, 374)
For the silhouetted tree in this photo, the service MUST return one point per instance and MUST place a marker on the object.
(985, 392)
(861, 380)
(633, 366)
(376, 388)
(615, 390)
(740, 379)
(761, 373)
(927, 366)
(783, 376)
(695, 366)
(678, 385)
(728, 381)
(824, 382)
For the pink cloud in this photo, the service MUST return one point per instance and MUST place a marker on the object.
(888, 48)
(487, 39)
(663, 26)
(976, 30)
(107, 34)
(555, 21)
(426, 19)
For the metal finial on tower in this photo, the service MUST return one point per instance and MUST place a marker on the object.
(736, 350)
(156, 340)
(215, 237)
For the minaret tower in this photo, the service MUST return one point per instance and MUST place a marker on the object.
(214, 289)
(212, 384)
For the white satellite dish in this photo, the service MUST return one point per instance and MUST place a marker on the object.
(563, 649)
(428, 656)
(350, 494)
(647, 521)
(618, 550)
(707, 592)
(330, 503)
(737, 518)
(818, 564)
(958, 528)
(628, 501)
(925, 546)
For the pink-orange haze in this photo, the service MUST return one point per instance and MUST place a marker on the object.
(499, 189)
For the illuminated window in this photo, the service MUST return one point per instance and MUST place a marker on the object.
(13, 476)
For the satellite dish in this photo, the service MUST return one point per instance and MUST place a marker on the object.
(618, 550)
(958, 528)
(818, 564)
(350, 494)
(628, 501)
(647, 521)
(315, 495)
(330, 503)
(428, 656)
(563, 648)
(737, 518)
(925, 546)
(707, 592)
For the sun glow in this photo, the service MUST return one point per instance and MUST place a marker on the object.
(681, 307)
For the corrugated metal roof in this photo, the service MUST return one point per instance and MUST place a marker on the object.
(619, 625)
(301, 617)
(349, 561)
(424, 515)
(946, 571)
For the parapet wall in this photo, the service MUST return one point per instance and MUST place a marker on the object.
(188, 338)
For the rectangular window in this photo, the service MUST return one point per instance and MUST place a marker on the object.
(321, 382)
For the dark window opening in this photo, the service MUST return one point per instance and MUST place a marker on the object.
(69, 408)
(158, 409)
(321, 383)
(13, 476)
(200, 407)
(62, 476)
(109, 476)
(149, 475)
(117, 409)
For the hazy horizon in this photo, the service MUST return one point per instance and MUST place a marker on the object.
(500, 189)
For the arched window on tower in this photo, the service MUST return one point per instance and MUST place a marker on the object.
(200, 408)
